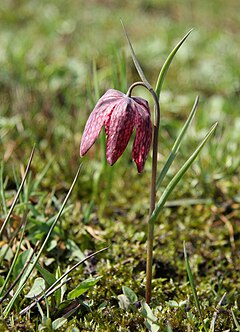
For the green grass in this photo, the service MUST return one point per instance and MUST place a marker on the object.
(56, 58)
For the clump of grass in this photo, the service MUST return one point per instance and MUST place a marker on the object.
(24, 263)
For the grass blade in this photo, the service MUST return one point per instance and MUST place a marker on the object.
(177, 144)
(24, 270)
(190, 277)
(42, 175)
(49, 290)
(23, 226)
(2, 193)
(215, 315)
(167, 63)
(33, 264)
(235, 321)
(169, 328)
(172, 184)
(189, 202)
(135, 60)
(18, 193)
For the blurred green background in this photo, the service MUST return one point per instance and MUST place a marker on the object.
(57, 58)
(49, 48)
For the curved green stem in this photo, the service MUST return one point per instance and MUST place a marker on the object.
(153, 186)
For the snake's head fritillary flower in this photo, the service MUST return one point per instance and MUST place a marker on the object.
(120, 114)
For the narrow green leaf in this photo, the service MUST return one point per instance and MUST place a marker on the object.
(83, 287)
(190, 277)
(41, 313)
(24, 265)
(235, 321)
(135, 60)
(216, 312)
(2, 191)
(41, 176)
(21, 261)
(167, 63)
(33, 264)
(177, 144)
(18, 192)
(53, 286)
(172, 184)
(64, 304)
(15, 256)
(188, 202)
(59, 294)
(169, 328)
(1, 281)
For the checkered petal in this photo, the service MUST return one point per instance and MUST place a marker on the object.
(97, 119)
(120, 114)
(143, 139)
(119, 129)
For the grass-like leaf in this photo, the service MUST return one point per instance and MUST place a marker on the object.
(135, 60)
(27, 256)
(23, 225)
(169, 328)
(41, 176)
(18, 193)
(34, 262)
(215, 315)
(172, 184)
(83, 287)
(177, 144)
(235, 321)
(190, 277)
(2, 191)
(51, 288)
(167, 63)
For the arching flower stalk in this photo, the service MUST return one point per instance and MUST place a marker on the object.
(120, 113)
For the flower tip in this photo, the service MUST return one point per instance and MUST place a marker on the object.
(110, 159)
(82, 151)
(140, 168)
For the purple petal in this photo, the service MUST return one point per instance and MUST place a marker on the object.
(119, 129)
(142, 102)
(97, 118)
(143, 139)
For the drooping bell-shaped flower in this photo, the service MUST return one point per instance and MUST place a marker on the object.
(120, 114)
